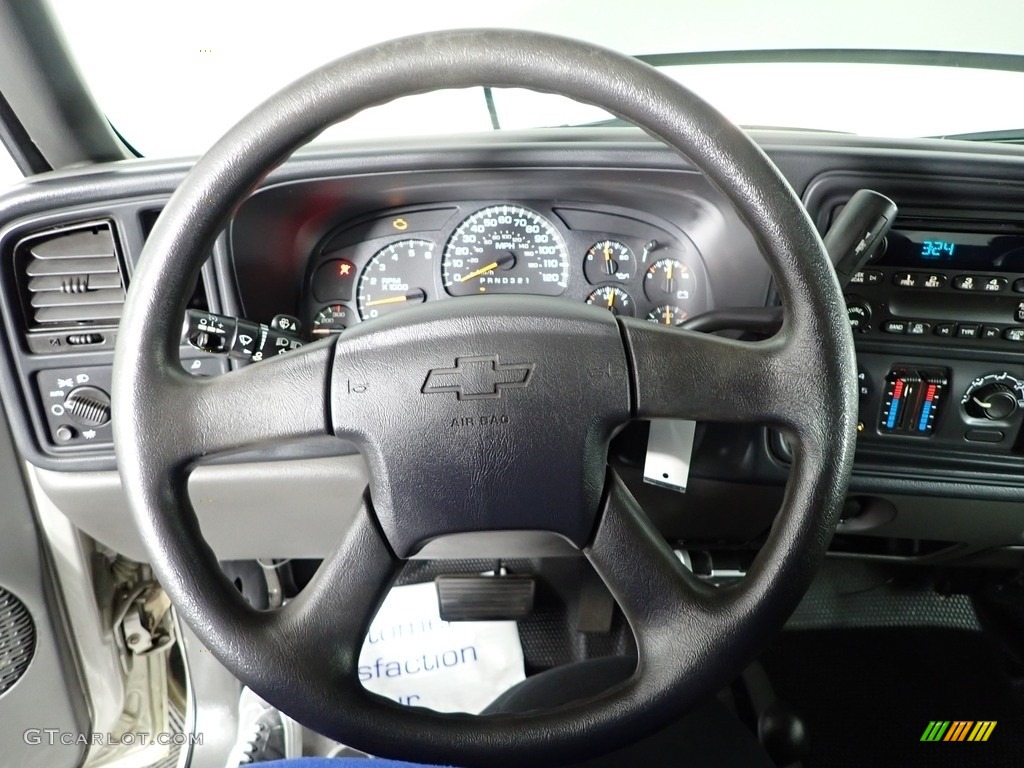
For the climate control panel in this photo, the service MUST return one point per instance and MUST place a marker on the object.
(918, 405)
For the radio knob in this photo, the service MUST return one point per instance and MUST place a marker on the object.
(995, 402)
(859, 312)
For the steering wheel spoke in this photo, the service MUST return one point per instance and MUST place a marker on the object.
(326, 623)
(285, 398)
(668, 608)
(699, 376)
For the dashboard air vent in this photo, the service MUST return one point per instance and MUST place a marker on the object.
(71, 278)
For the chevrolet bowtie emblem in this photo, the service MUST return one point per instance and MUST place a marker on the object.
(478, 378)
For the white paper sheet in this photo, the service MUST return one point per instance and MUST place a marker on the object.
(411, 656)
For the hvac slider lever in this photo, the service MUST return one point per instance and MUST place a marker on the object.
(851, 241)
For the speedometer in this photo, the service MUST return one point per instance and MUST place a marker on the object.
(505, 249)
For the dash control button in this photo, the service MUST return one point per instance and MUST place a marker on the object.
(984, 436)
(917, 328)
(968, 331)
(994, 285)
(895, 326)
(1014, 334)
(945, 329)
(867, 277)
(1018, 313)
(933, 281)
(967, 283)
(1018, 285)
(991, 332)
(906, 279)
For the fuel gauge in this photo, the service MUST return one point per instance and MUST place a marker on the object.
(612, 298)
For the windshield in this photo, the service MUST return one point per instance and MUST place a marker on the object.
(173, 77)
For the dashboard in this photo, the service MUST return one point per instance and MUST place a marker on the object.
(606, 217)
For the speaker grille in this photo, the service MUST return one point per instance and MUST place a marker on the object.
(17, 640)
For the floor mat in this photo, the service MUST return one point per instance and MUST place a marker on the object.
(849, 593)
(868, 695)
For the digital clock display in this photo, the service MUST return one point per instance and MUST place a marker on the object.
(937, 249)
(969, 251)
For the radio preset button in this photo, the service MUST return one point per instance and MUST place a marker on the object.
(1018, 285)
(994, 285)
(968, 331)
(945, 329)
(895, 326)
(931, 281)
(968, 283)
(991, 332)
(906, 280)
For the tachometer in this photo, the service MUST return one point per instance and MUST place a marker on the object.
(399, 275)
(505, 249)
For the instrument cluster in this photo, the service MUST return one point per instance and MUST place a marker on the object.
(614, 259)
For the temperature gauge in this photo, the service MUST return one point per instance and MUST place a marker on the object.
(612, 298)
(334, 318)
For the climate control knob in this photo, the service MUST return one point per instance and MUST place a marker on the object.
(995, 397)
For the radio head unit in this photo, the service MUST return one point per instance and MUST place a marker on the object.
(938, 282)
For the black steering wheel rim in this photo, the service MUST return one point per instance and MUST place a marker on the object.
(691, 637)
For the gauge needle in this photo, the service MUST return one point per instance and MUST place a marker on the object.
(668, 317)
(609, 267)
(611, 299)
(411, 296)
(493, 265)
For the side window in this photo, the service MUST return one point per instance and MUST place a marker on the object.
(9, 173)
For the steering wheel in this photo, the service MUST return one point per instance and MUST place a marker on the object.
(553, 382)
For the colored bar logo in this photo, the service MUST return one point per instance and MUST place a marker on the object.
(958, 730)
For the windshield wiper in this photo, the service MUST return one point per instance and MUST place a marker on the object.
(617, 122)
(1006, 62)
(1008, 136)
